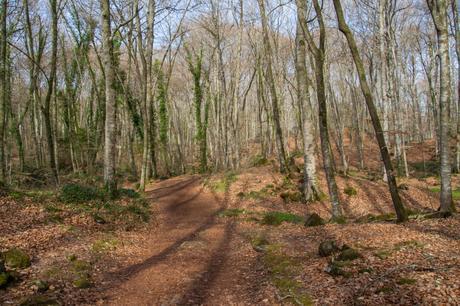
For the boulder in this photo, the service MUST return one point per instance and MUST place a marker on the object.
(40, 285)
(16, 259)
(5, 279)
(327, 248)
(349, 254)
(314, 220)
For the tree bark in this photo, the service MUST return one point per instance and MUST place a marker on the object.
(110, 103)
(391, 180)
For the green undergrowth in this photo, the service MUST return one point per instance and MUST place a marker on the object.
(284, 271)
(264, 193)
(455, 192)
(128, 208)
(277, 217)
(258, 161)
(223, 184)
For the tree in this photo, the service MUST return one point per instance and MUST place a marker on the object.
(319, 57)
(438, 11)
(195, 64)
(309, 186)
(110, 102)
(284, 166)
(343, 27)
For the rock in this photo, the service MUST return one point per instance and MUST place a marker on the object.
(5, 279)
(260, 244)
(314, 220)
(98, 219)
(335, 269)
(349, 254)
(327, 248)
(16, 258)
(291, 196)
(40, 285)
(72, 257)
(350, 191)
(82, 281)
(403, 186)
(39, 300)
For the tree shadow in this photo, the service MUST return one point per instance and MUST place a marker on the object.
(371, 196)
(200, 288)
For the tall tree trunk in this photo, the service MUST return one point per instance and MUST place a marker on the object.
(309, 186)
(319, 58)
(4, 65)
(46, 108)
(343, 27)
(110, 103)
(284, 166)
(438, 10)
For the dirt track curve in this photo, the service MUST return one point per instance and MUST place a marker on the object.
(194, 257)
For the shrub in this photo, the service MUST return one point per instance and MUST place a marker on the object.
(75, 193)
(128, 193)
(258, 161)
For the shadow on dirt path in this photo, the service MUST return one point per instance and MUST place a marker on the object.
(190, 259)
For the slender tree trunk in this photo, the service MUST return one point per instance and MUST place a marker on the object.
(343, 27)
(46, 108)
(110, 103)
(284, 166)
(438, 10)
(309, 186)
(4, 65)
(319, 58)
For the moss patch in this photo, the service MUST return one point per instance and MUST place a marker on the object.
(406, 281)
(283, 273)
(277, 217)
(350, 191)
(16, 259)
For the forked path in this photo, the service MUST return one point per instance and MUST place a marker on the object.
(194, 257)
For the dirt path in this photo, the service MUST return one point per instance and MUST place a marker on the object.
(194, 258)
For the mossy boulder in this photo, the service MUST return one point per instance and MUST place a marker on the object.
(260, 244)
(349, 254)
(403, 186)
(40, 285)
(82, 281)
(327, 248)
(335, 268)
(291, 196)
(350, 191)
(16, 259)
(5, 279)
(99, 219)
(314, 220)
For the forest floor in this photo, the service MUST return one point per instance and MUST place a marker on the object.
(236, 238)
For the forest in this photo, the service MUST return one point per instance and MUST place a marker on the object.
(229, 152)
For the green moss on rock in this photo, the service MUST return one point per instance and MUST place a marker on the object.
(350, 191)
(16, 259)
(82, 282)
(349, 254)
(314, 220)
(327, 248)
(5, 279)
